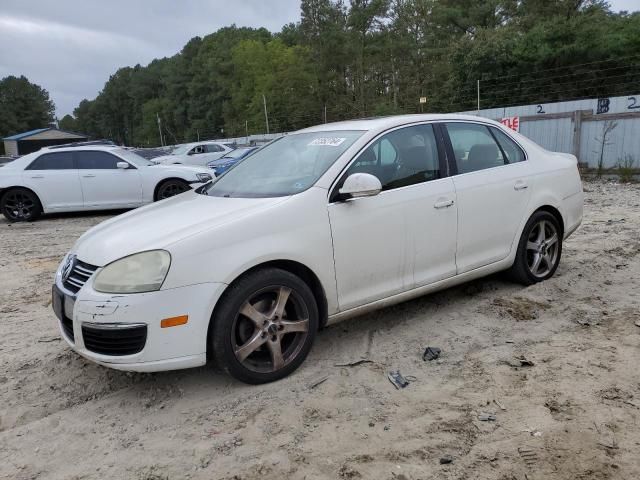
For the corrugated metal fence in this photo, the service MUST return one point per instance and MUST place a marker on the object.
(578, 127)
(575, 127)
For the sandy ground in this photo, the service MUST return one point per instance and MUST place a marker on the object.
(572, 415)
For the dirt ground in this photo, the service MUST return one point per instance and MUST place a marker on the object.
(573, 414)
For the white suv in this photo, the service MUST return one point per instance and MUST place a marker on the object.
(88, 176)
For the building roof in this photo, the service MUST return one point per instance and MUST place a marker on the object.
(30, 133)
(20, 136)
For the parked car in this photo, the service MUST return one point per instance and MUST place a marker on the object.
(323, 224)
(199, 153)
(88, 177)
(228, 160)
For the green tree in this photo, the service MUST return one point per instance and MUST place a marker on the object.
(67, 123)
(23, 106)
(354, 58)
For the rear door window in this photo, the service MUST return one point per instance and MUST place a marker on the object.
(474, 147)
(96, 160)
(53, 161)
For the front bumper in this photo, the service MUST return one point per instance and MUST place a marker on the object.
(184, 346)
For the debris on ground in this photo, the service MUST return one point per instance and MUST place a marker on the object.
(519, 361)
(354, 363)
(317, 382)
(487, 417)
(588, 321)
(499, 405)
(446, 459)
(396, 378)
(431, 353)
(48, 339)
(529, 456)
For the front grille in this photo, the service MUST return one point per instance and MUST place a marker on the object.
(67, 327)
(80, 273)
(114, 339)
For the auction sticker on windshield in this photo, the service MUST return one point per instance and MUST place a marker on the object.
(327, 141)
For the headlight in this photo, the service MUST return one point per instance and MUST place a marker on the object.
(137, 273)
(203, 177)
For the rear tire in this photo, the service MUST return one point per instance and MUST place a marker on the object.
(264, 326)
(539, 250)
(170, 188)
(20, 205)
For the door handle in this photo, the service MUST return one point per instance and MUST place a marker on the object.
(37, 176)
(443, 204)
(88, 175)
(520, 186)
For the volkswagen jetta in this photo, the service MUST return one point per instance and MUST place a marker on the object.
(323, 224)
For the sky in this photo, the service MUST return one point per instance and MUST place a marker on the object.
(71, 47)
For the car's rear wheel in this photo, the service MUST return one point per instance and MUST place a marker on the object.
(264, 326)
(170, 188)
(20, 205)
(539, 249)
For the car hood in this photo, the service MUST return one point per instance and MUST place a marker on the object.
(181, 168)
(159, 225)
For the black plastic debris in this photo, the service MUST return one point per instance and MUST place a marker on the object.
(354, 363)
(397, 379)
(317, 382)
(446, 459)
(431, 353)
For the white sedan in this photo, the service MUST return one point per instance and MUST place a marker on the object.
(199, 153)
(323, 224)
(88, 176)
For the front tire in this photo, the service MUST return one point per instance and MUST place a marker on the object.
(20, 205)
(539, 249)
(170, 188)
(264, 326)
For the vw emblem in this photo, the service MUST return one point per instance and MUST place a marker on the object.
(68, 267)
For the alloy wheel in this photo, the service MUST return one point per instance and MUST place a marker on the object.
(19, 206)
(270, 329)
(171, 189)
(542, 248)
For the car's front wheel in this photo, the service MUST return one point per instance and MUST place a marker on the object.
(20, 205)
(264, 326)
(539, 249)
(170, 188)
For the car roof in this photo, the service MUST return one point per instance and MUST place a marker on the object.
(384, 123)
(199, 143)
(72, 148)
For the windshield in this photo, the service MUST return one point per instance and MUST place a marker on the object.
(239, 152)
(284, 167)
(134, 158)
(181, 149)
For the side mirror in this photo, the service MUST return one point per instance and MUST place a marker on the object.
(122, 165)
(360, 185)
